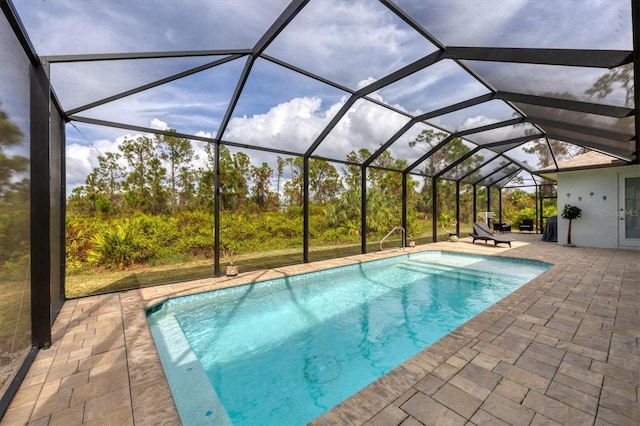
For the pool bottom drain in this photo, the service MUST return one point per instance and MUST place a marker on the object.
(321, 368)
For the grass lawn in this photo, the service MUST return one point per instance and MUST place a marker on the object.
(104, 281)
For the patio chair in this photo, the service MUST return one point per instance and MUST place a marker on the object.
(481, 232)
(501, 227)
(526, 225)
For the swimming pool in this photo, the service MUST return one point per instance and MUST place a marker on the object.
(285, 351)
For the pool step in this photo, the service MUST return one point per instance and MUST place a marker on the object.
(448, 271)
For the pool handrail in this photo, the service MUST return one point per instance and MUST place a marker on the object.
(395, 228)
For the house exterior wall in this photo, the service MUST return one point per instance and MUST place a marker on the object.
(599, 223)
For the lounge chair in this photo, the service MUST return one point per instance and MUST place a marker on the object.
(526, 225)
(481, 232)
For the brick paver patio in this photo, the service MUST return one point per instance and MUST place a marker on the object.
(563, 349)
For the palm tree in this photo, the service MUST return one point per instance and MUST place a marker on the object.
(570, 212)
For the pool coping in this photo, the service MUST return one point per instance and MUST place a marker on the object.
(343, 412)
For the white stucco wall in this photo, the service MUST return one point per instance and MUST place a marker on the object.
(598, 226)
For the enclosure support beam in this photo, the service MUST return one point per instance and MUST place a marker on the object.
(40, 209)
(612, 151)
(635, 24)
(404, 208)
(305, 209)
(216, 210)
(590, 131)
(539, 202)
(563, 57)
(475, 200)
(458, 208)
(242, 80)
(434, 209)
(538, 212)
(363, 209)
(488, 203)
(568, 104)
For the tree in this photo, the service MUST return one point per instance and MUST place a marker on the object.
(109, 173)
(344, 213)
(14, 198)
(260, 193)
(384, 190)
(158, 194)
(187, 195)
(10, 166)
(280, 169)
(293, 187)
(605, 85)
(143, 185)
(353, 172)
(105, 182)
(178, 153)
(235, 171)
(205, 191)
(90, 198)
(570, 213)
(324, 181)
(518, 205)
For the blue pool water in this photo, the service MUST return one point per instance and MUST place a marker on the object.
(285, 351)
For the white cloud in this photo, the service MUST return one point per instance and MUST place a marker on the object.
(364, 83)
(289, 126)
(158, 124)
(477, 121)
(203, 134)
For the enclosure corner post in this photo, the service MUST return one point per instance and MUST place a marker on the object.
(305, 209)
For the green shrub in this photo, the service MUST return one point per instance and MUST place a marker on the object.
(121, 245)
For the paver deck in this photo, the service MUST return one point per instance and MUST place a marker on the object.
(563, 349)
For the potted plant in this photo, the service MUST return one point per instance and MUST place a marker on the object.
(230, 257)
(570, 213)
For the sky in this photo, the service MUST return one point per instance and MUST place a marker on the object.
(352, 43)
